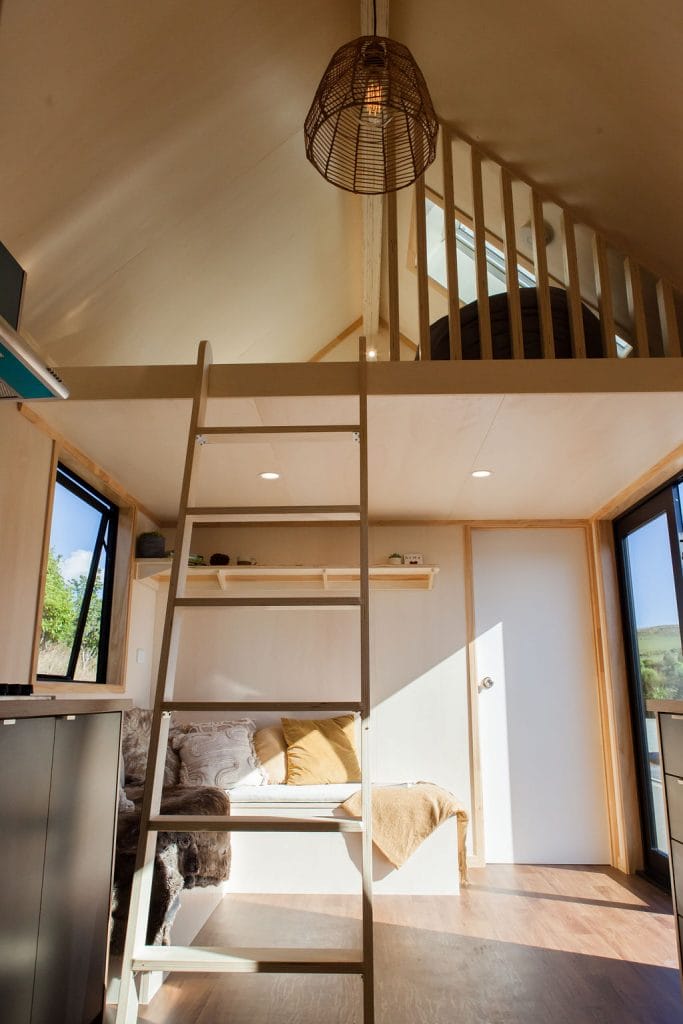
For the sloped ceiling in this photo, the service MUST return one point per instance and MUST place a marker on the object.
(154, 183)
(157, 190)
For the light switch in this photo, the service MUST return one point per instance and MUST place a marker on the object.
(140, 655)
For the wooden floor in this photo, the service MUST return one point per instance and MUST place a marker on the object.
(522, 945)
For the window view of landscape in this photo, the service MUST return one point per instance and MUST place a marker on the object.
(656, 613)
(71, 625)
(658, 639)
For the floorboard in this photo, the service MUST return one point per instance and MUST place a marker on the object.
(522, 945)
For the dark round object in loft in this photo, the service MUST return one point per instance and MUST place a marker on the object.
(219, 559)
(531, 328)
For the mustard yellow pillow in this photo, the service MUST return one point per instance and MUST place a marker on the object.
(320, 751)
(271, 750)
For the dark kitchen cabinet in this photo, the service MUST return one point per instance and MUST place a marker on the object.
(58, 797)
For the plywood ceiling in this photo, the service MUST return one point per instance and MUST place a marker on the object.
(552, 456)
(154, 182)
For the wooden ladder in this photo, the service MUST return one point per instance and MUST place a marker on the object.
(138, 957)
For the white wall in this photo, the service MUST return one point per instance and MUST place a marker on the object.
(418, 663)
(542, 762)
(141, 656)
(543, 746)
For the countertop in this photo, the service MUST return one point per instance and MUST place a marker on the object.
(36, 707)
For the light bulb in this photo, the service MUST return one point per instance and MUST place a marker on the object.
(373, 112)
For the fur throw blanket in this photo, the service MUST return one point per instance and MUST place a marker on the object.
(183, 859)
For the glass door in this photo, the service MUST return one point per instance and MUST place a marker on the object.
(652, 591)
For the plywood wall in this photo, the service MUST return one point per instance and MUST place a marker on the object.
(25, 459)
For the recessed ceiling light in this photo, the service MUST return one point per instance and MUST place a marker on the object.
(372, 353)
(480, 474)
(269, 476)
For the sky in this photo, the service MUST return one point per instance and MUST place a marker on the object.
(74, 531)
(652, 575)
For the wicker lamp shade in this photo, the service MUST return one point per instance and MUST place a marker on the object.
(371, 128)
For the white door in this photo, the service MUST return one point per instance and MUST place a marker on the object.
(540, 742)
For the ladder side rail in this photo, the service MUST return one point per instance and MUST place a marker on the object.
(366, 779)
(141, 888)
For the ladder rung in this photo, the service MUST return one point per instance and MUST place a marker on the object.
(261, 705)
(218, 959)
(249, 823)
(273, 513)
(267, 602)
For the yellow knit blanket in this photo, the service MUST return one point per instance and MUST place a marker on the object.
(404, 816)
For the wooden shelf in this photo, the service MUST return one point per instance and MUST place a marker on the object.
(317, 579)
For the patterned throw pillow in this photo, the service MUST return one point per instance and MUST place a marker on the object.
(219, 754)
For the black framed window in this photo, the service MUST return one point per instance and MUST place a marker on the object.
(74, 638)
(651, 577)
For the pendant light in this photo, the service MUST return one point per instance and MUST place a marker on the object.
(371, 128)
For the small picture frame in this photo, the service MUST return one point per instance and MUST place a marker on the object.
(414, 559)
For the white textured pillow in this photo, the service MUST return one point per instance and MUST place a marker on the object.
(219, 754)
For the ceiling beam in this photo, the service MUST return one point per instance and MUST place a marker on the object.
(373, 206)
(449, 377)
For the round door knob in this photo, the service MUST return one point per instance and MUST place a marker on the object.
(486, 683)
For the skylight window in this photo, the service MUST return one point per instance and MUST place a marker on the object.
(465, 248)
(465, 255)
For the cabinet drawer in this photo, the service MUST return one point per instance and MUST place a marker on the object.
(674, 799)
(677, 872)
(672, 743)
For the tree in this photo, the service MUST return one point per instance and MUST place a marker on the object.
(91, 633)
(59, 614)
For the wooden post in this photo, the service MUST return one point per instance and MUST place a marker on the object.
(476, 786)
(479, 220)
(451, 250)
(392, 257)
(571, 275)
(545, 314)
(422, 280)
(636, 306)
(671, 338)
(604, 290)
(511, 273)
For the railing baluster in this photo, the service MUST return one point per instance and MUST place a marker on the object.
(511, 273)
(604, 290)
(571, 273)
(422, 281)
(485, 339)
(667, 318)
(451, 251)
(392, 255)
(636, 307)
(545, 313)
